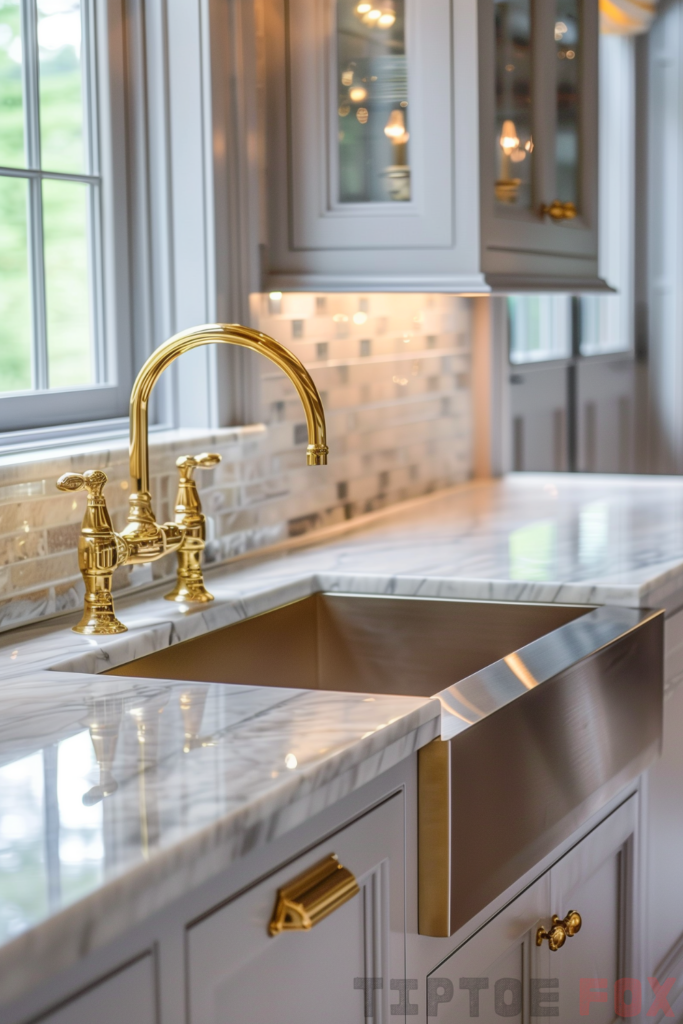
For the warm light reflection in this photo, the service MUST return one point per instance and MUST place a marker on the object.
(509, 140)
(519, 669)
(357, 94)
(395, 128)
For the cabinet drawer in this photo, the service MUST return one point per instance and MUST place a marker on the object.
(239, 973)
(128, 996)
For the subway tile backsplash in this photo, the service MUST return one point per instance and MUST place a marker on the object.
(394, 375)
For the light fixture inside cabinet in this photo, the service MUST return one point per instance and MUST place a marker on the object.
(507, 187)
(380, 15)
(395, 128)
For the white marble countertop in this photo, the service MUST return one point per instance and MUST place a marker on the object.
(225, 766)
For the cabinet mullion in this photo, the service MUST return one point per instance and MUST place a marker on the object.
(545, 103)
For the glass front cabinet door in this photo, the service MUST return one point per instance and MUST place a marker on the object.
(538, 87)
(441, 145)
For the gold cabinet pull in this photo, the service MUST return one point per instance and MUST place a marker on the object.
(558, 210)
(560, 931)
(311, 896)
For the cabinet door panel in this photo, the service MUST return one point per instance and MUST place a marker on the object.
(127, 996)
(517, 240)
(596, 878)
(502, 972)
(239, 974)
(489, 976)
(318, 217)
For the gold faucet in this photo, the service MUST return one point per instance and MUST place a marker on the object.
(101, 550)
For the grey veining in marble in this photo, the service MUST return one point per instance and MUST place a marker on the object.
(200, 772)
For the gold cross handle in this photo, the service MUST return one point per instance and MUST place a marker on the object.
(190, 518)
(100, 551)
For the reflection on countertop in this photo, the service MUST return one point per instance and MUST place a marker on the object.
(136, 768)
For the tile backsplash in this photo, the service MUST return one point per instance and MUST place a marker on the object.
(394, 376)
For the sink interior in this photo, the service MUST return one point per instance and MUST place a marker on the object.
(393, 645)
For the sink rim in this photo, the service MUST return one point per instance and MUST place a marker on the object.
(476, 696)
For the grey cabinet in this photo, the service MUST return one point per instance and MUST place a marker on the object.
(339, 970)
(372, 131)
(502, 971)
(429, 144)
(538, 94)
(127, 995)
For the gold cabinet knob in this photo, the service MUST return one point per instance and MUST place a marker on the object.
(311, 896)
(560, 930)
(558, 210)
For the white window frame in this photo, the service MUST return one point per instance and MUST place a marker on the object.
(39, 415)
(179, 112)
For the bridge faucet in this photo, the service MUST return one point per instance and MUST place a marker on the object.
(101, 550)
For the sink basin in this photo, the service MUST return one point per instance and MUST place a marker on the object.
(547, 713)
(408, 646)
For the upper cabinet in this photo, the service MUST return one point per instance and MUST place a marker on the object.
(538, 147)
(430, 145)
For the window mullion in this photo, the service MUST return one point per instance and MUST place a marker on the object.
(90, 93)
(35, 191)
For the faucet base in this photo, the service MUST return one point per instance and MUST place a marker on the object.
(99, 618)
(190, 586)
(192, 593)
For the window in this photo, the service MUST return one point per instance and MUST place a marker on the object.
(539, 327)
(56, 358)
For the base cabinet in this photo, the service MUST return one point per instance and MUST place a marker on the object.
(239, 973)
(129, 996)
(502, 971)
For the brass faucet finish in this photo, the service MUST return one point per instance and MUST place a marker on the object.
(101, 550)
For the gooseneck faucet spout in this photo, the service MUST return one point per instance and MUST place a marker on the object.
(230, 334)
(143, 539)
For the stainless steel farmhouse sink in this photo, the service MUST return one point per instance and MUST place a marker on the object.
(411, 646)
(548, 711)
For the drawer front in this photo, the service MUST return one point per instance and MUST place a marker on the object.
(239, 973)
(127, 997)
